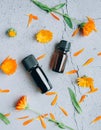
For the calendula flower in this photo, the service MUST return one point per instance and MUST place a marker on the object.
(87, 82)
(8, 66)
(22, 103)
(11, 32)
(44, 36)
(85, 28)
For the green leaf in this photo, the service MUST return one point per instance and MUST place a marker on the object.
(74, 101)
(4, 119)
(58, 6)
(68, 21)
(60, 124)
(41, 5)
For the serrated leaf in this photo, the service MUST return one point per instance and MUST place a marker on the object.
(58, 6)
(41, 5)
(74, 101)
(68, 21)
(4, 119)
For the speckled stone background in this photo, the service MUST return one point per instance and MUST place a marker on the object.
(13, 14)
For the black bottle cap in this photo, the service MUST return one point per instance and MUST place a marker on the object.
(29, 62)
(63, 45)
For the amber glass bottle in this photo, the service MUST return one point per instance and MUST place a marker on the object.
(60, 56)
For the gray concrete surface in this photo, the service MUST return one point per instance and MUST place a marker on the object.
(13, 14)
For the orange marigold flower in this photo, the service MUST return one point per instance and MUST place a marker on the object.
(86, 28)
(85, 81)
(44, 36)
(8, 66)
(22, 103)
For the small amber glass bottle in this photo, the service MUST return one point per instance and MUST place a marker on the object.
(60, 56)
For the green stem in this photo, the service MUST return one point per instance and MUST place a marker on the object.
(73, 19)
(58, 13)
(34, 111)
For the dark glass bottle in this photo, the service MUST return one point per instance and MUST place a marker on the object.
(60, 56)
(32, 66)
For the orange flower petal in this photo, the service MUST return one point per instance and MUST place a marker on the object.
(8, 66)
(64, 111)
(82, 98)
(4, 91)
(78, 52)
(31, 17)
(75, 32)
(7, 114)
(52, 116)
(54, 16)
(72, 72)
(42, 122)
(41, 57)
(90, 60)
(96, 119)
(51, 93)
(54, 100)
(92, 91)
(21, 118)
(44, 115)
(28, 122)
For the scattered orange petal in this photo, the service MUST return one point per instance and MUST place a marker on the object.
(64, 111)
(7, 114)
(41, 57)
(75, 32)
(72, 72)
(51, 93)
(96, 119)
(99, 54)
(24, 117)
(28, 122)
(4, 91)
(42, 122)
(82, 98)
(31, 17)
(8, 66)
(92, 91)
(52, 116)
(54, 100)
(90, 60)
(44, 115)
(54, 16)
(78, 52)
